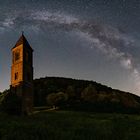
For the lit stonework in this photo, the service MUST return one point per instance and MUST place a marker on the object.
(22, 73)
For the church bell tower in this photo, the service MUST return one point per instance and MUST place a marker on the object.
(22, 74)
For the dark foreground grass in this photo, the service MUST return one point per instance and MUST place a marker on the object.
(68, 125)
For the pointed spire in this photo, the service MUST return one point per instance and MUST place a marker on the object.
(22, 40)
(22, 32)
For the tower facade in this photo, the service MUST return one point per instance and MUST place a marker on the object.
(22, 74)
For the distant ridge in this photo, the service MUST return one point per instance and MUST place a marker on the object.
(85, 95)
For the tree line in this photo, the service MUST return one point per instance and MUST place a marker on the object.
(67, 93)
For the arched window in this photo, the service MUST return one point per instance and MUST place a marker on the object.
(16, 75)
(17, 55)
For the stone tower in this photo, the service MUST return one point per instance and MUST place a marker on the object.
(22, 74)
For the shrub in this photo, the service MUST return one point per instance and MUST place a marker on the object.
(56, 99)
(11, 104)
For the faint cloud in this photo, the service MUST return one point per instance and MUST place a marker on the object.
(127, 63)
(1, 29)
(53, 17)
(8, 22)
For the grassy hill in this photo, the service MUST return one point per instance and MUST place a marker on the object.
(78, 117)
(70, 125)
(83, 95)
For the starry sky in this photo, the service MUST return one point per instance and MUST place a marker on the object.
(96, 40)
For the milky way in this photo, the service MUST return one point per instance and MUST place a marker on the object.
(94, 47)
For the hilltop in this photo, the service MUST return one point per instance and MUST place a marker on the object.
(83, 95)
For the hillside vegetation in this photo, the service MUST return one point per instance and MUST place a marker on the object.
(83, 95)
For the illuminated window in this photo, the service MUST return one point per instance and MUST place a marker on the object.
(17, 55)
(16, 75)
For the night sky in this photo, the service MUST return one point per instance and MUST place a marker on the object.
(96, 40)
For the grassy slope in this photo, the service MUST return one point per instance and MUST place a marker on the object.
(66, 125)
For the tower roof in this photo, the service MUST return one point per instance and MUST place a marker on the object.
(22, 40)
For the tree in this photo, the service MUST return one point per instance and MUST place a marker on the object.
(56, 99)
(89, 93)
(11, 104)
(2, 95)
(70, 91)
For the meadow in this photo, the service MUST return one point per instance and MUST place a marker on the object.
(69, 125)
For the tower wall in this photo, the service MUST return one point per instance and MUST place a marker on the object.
(17, 66)
(22, 74)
